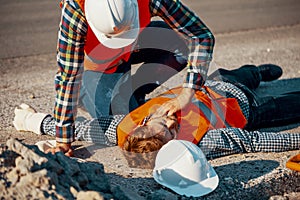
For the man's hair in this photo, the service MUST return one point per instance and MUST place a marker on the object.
(141, 147)
(143, 140)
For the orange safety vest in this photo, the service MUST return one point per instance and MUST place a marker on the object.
(294, 163)
(205, 112)
(101, 58)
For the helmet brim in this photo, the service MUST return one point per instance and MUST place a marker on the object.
(193, 189)
(119, 41)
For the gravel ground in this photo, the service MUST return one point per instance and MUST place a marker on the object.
(243, 176)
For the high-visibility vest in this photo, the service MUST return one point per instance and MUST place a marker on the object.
(294, 163)
(207, 110)
(101, 58)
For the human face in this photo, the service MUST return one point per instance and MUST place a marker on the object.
(166, 125)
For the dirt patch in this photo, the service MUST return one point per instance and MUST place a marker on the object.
(242, 176)
(27, 173)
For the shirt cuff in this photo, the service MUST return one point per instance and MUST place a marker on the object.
(194, 81)
(65, 134)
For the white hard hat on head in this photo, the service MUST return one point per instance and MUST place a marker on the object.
(181, 166)
(114, 22)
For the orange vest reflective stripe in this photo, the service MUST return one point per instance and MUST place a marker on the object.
(101, 58)
(205, 112)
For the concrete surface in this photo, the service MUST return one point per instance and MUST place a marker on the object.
(30, 27)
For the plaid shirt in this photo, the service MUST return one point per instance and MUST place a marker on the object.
(70, 55)
(215, 143)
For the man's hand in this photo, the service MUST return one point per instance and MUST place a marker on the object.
(169, 108)
(61, 147)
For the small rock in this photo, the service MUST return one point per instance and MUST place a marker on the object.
(92, 195)
(13, 176)
(37, 179)
(23, 165)
(278, 197)
(228, 179)
(73, 191)
(118, 166)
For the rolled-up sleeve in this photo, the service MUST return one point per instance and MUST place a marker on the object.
(70, 56)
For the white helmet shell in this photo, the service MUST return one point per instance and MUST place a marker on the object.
(181, 166)
(114, 22)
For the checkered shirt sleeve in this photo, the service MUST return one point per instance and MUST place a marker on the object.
(70, 55)
(216, 143)
(100, 131)
(199, 38)
(223, 142)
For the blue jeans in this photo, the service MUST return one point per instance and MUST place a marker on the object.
(265, 111)
(104, 94)
(119, 93)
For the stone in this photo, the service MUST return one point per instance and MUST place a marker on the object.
(34, 174)
(91, 195)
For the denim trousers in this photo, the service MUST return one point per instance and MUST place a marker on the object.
(265, 111)
(103, 94)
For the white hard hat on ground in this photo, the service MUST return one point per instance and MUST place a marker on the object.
(181, 166)
(114, 22)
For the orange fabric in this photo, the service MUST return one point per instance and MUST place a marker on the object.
(294, 163)
(95, 50)
(193, 121)
(80, 3)
(230, 108)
